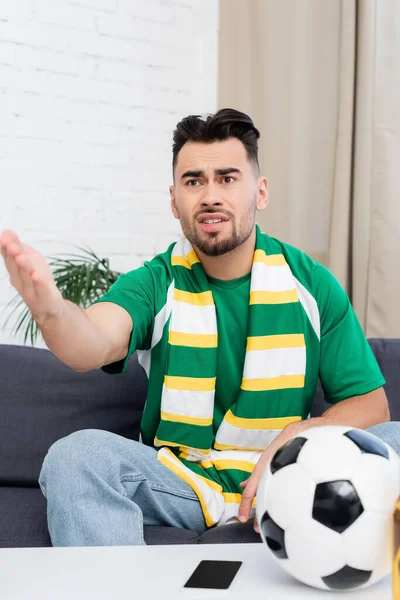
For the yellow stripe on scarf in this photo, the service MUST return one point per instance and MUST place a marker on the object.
(225, 463)
(236, 498)
(270, 423)
(194, 384)
(285, 297)
(171, 464)
(202, 421)
(268, 342)
(270, 260)
(199, 299)
(194, 340)
(185, 261)
(273, 383)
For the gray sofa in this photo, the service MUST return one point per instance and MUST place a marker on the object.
(42, 400)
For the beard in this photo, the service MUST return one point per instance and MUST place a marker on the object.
(218, 243)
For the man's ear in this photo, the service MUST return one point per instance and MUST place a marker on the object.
(173, 203)
(262, 195)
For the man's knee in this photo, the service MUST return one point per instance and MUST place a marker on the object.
(389, 432)
(70, 454)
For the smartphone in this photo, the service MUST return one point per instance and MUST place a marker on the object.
(213, 574)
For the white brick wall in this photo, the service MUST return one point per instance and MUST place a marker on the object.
(90, 92)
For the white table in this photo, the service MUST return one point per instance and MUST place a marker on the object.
(152, 572)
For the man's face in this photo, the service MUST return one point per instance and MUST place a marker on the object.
(216, 194)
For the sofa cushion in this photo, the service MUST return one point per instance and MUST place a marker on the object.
(387, 353)
(43, 400)
(158, 535)
(23, 522)
(235, 533)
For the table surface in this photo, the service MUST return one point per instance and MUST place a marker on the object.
(152, 572)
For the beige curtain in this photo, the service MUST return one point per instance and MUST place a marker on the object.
(376, 223)
(321, 81)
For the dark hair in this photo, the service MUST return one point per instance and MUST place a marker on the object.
(224, 124)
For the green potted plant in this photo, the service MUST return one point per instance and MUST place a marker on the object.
(81, 278)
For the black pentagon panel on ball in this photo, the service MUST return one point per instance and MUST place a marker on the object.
(347, 578)
(274, 536)
(336, 505)
(367, 442)
(287, 455)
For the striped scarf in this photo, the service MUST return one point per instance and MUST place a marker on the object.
(272, 382)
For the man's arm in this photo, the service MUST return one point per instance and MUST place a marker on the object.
(82, 339)
(359, 411)
(88, 339)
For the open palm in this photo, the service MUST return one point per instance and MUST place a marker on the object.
(31, 276)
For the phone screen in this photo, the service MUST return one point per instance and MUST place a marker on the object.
(215, 574)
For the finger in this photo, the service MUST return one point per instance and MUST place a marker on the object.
(256, 526)
(13, 249)
(33, 279)
(244, 483)
(8, 237)
(25, 281)
(4, 252)
(36, 278)
(24, 263)
(11, 267)
(20, 268)
(31, 273)
(247, 500)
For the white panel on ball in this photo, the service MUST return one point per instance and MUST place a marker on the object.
(290, 493)
(367, 543)
(314, 548)
(380, 491)
(334, 458)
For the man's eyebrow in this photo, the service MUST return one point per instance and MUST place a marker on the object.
(192, 174)
(225, 171)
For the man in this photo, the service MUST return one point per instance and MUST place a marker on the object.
(233, 329)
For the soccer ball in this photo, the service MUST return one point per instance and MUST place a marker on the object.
(325, 507)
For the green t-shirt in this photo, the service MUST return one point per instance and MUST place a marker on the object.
(231, 300)
(347, 366)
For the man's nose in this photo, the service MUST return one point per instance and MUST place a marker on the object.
(211, 196)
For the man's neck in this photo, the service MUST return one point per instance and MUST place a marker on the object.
(232, 265)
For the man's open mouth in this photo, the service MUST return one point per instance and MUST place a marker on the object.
(212, 223)
(212, 218)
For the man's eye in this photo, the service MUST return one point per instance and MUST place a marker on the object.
(232, 179)
(192, 182)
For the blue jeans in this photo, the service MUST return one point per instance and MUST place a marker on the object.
(101, 489)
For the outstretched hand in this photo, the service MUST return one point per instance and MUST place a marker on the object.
(31, 276)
